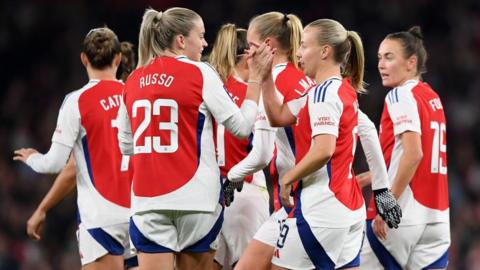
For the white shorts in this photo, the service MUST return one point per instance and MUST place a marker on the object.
(270, 229)
(165, 231)
(98, 242)
(423, 246)
(300, 246)
(242, 219)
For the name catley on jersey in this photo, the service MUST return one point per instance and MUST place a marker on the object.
(329, 197)
(87, 123)
(414, 106)
(171, 103)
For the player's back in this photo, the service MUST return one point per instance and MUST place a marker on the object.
(172, 127)
(103, 175)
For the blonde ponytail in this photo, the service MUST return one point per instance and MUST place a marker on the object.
(355, 62)
(223, 54)
(295, 37)
(158, 29)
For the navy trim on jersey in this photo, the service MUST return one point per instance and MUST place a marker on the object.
(329, 171)
(144, 244)
(441, 263)
(200, 123)
(321, 91)
(393, 96)
(353, 263)
(203, 245)
(291, 139)
(131, 262)
(86, 153)
(312, 247)
(250, 143)
(384, 257)
(107, 241)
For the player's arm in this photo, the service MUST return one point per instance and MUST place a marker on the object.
(319, 154)
(125, 139)
(367, 133)
(51, 162)
(409, 161)
(64, 137)
(279, 115)
(263, 144)
(238, 122)
(403, 111)
(385, 202)
(63, 185)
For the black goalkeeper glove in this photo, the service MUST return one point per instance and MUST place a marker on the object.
(229, 190)
(387, 207)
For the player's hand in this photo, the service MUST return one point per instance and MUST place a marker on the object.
(260, 59)
(22, 154)
(387, 207)
(379, 228)
(35, 224)
(229, 188)
(285, 191)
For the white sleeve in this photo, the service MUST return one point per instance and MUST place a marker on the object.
(261, 121)
(403, 111)
(263, 145)
(125, 139)
(241, 123)
(238, 121)
(325, 112)
(51, 162)
(68, 122)
(373, 151)
(296, 105)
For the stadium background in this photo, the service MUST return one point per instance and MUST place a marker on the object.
(40, 45)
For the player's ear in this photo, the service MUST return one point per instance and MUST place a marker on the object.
(117, 59)
(412, 62)
(180, 41)
(84, 59)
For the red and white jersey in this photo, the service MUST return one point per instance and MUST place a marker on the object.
(416, 107)
(329, 197)
(170, 104)
(87, 122)
(230, 149)
(290, 83)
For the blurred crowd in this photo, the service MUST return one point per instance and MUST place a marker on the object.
(40, 46)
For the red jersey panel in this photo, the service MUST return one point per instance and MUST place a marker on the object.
(164, 113)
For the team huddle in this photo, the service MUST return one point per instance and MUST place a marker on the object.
(243, 160)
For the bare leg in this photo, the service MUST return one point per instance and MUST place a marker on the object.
(257, 255)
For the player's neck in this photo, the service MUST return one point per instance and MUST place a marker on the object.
(241, 73)
(280, 58)
(104, 74)
(327, 72)
(409, 78)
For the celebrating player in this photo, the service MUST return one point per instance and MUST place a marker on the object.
(170, 102)
(86, 124)
(250, 209)
(280, 31)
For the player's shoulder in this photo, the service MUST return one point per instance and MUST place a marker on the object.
(326, 90)
(402, 93)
